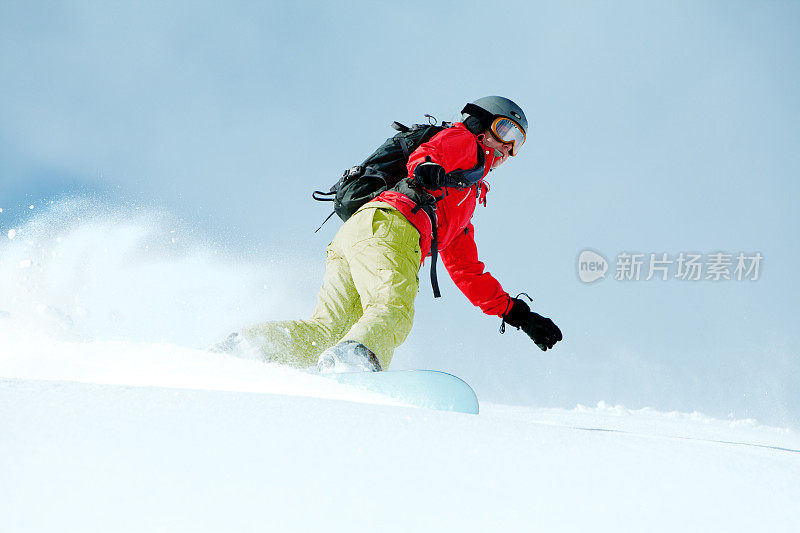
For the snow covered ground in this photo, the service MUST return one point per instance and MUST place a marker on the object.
(105, 426)
(147, 437)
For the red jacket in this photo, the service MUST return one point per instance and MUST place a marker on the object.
(455, 148)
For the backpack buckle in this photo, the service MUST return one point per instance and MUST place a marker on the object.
(353, 171)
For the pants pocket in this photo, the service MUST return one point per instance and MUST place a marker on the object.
(382, 223)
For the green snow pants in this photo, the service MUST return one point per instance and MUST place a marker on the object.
(367, 295)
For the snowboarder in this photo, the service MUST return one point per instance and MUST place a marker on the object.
(365, 308)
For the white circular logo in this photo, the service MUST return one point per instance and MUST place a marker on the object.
(591, 266)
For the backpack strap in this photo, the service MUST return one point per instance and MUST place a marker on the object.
(330, 196)
(461, 179)
(322, 196)
(404, 146)
(402, 128)
(434, 253)
(326, 218)
(429, 208)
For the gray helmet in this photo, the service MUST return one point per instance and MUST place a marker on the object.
(478, 115)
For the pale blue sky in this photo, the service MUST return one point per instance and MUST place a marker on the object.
(655, 127)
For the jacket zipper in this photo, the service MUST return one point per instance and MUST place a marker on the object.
(465, 197)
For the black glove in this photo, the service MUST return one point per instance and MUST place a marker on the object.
(430, 175)
(540, 329)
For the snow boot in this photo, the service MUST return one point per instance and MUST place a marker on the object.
(348, 356)
(238, 346)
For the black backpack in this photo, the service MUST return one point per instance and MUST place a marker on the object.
(379, 172)
(386, 169)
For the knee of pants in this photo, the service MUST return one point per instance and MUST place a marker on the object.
(401, 321)
(383, 328)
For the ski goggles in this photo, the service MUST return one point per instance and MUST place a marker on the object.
(508, 132)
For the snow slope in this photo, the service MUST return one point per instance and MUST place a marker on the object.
(111, 419)
(205, 442)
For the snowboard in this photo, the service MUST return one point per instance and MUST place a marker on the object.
(429, 389)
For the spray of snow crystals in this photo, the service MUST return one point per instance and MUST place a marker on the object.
(81, 270)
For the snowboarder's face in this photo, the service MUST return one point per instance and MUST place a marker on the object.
(501, 150)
